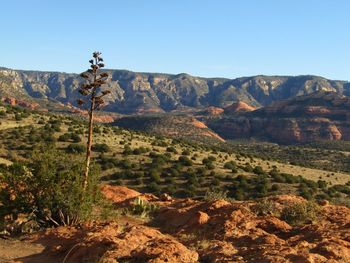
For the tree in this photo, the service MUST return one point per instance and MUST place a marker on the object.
(91, 89)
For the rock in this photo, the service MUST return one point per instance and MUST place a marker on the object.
(118, 194)
(199, 218)
(314, 117)
(213, 110)
(165, 197)
(238, 107)
(334, 249)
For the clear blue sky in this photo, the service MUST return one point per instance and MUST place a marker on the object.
(226, 38)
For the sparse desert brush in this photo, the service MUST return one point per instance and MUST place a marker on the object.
(215, 194)
(142, 208)
(265, 207)
(301, 213)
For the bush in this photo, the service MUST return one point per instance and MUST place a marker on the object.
(48, 191)
(100, 147)
(186, 152)
(142, 208)
(230, 165)
(171, 149)
(185, 161)
(258, 170)
(265, 207)
(215, 194)
(75, 148)
(300, 213)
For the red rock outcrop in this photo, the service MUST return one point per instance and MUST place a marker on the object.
(213, 110)
(231, 232)
(219, 231)
(22, 103)
(109, 242)
(239, 107)
(319, 116)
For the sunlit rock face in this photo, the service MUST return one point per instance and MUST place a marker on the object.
(154, 92)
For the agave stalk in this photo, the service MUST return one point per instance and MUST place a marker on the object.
(91, 90)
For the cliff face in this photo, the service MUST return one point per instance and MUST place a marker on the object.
(152, 92)
(320, 116)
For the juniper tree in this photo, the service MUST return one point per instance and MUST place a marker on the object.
(93, 99)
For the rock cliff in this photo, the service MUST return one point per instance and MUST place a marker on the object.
(133, 92)
(319, 116)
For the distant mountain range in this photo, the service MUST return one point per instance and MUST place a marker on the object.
(276, 108)
(153, 92)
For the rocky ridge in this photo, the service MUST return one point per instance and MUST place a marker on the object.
(133, 92)
(318, 116)
(201, 231)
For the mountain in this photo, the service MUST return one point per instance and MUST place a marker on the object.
(154, 92)
(318, 116)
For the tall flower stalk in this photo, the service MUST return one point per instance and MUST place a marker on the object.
(93, 100)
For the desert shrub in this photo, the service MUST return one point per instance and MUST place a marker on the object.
(230, 165)
(75, 148)
(75, 137)
(154, 188)
(140, 150)
(247, 168)
(48, 190)
(290, 179)
(186, 152)
(258, 170)
(185, 161)
(265, 207)
(125, 164)
(171, 149)
(142, 208)
(215, 194)
(64, 137)
(341, 188)
(275, 187)
(100, 147)
(300, 213)
(154, 175)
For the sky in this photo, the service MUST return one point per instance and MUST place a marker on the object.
(217, 38)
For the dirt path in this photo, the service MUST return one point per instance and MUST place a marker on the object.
(12, 249)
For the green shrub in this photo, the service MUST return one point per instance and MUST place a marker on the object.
(230, 165)
(76, 148)
(154, 188)
(186, 152)
(171, 149)
(100, 147)
(300, 213)
(265, 207)
(185, 161)
(215, 194)
(142, 208)
(258, 170)
(48, 190)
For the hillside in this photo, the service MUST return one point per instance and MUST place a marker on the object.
(170, 125)
(315, 117)
(159, 164)
(153, 92)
